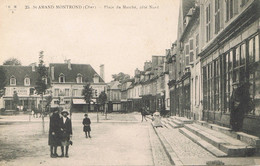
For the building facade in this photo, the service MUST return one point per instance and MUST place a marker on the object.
(114, 96)
(20, 80)
(229, 56)
(67, 83)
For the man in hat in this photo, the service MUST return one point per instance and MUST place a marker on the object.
(240, 105)
(66, 130)
(54, 132)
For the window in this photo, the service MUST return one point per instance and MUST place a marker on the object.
(231, 9)
(56, 92)
(12, 80)
(79, 78)
(61, 78)
(254, 74)
(217, 16)
(243, 2)
(187, 55)
(208, 36)
(67, 92)
(191, 50)
(197, 45)
(27, 81)
(74, 92)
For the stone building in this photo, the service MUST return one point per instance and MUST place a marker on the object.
(20, 80)
(67, 83)
(114, 96)
(229, 56)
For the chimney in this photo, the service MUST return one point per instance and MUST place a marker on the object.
(137, 71)
(102, 71)
(52, 72)
(69, 64)
(33, 66)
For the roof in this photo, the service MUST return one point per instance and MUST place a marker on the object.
(86, 71)
(186, 5)
(20, 73)
(114, 85)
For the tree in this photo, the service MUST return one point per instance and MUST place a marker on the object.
(48, 102)
(120, 77)
(3, 81)
(87, 94)
(12, 61)
(41, 85)
(102, 98)
(15, 100)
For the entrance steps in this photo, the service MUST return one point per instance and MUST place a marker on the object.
(218, 143)
(175, 122)
(247, 138)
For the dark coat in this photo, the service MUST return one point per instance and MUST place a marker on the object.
(66, 129)
(86, 122)
(54, 140)
(239, 106)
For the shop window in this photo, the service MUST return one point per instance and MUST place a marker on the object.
(254, 74)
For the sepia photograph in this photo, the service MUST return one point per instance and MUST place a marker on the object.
(129, 82)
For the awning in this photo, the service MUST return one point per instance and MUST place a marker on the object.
(79, 101)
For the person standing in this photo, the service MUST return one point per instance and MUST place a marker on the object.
(143, 113)
(66, 132)
(240, 105)
(86, 126)
(54, 133)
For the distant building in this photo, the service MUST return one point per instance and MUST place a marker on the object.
(67, 83)
(114, 96)
(20, 79)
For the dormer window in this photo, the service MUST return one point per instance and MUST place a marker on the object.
(26, 81)
(62, 78)
(79, 78)
(13, 80)
(96, 78)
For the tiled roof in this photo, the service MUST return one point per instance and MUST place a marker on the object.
(20, 73)
(85, 70)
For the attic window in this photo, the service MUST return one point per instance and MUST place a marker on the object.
(26, 81)
(62, 78)
(12, 80)
(79, 78)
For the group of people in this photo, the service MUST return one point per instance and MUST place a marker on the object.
(60, 133)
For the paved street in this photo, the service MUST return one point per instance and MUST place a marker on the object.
(120, 140)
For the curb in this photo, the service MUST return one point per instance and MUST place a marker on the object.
(174, 159)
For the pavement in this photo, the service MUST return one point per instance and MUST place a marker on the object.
(121, 139)
(182, 151)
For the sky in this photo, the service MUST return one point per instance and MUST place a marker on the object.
(88, 32)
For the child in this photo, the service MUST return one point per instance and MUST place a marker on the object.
(86, 123)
